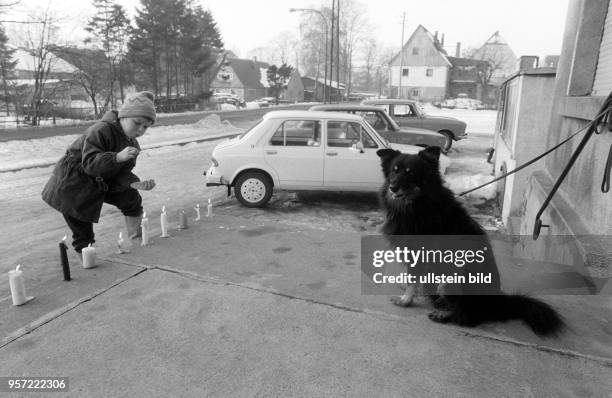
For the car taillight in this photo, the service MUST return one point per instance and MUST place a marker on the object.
(214, 162)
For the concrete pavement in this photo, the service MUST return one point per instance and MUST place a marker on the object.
(235, 307)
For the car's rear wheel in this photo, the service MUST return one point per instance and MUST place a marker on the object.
(253, 189)
(448, 143)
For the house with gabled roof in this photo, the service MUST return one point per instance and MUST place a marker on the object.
(247, 78)
(500, 56)
(421, 69)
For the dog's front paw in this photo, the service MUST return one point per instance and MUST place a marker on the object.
(402, 301)
(440, 316)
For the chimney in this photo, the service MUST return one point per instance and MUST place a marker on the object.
(436, 35)
(528, 62)
(254, 58)
(458, 50)
(442, 40)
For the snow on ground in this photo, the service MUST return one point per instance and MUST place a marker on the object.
(28, 153)
(478, 122)
(466, 171)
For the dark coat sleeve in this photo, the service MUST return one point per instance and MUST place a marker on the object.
(99, 155)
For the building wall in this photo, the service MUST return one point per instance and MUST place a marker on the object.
(579, 207)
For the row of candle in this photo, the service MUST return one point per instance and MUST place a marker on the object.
(163, 218)
(88, 259)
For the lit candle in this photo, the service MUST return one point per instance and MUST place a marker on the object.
(164, 223)
(145, 229)
(182, 219)
(197, 209)
(209, 212)
(64, 258)
(122, 245)
(18, 292)
(89, 256)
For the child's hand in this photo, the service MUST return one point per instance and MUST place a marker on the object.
(146, 185)
(129, 152)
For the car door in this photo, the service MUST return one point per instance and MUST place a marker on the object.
(295, 152)
(350, 157)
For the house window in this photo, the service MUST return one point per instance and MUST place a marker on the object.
(415, 51)
(405, 72)
(415, 92)
(429, 72)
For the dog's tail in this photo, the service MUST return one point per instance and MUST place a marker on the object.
(541, 317)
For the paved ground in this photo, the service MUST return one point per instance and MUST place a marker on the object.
(238, 307)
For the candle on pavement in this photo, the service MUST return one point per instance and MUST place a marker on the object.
(209, 211)
(197, 209)
(64, 259)
(122, 244)
(18, 292)
(89, 256)
(145, 229)
(164, 223)
(182, 219)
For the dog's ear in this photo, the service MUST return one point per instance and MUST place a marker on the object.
(386, 156)
(431, 154)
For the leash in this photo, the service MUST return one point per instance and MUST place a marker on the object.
(598, 125)
(521, 167)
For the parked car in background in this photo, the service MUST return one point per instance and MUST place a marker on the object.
(302, 150)
(378, 118)
(225, 98)
(408, 113)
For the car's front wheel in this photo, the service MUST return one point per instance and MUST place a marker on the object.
(448, 143)
(253, 189)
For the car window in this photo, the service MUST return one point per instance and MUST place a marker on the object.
(297, 133)
(347, 134)
(402, 110)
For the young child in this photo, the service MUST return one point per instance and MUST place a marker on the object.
(97, 168)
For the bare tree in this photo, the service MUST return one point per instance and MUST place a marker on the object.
(37, 39)
(353, 29)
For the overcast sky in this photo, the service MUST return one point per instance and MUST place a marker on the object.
(531, 27)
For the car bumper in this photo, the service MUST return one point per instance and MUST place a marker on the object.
(214, 179)
(461, 137)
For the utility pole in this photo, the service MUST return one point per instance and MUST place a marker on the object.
(338, 53)
(401, 71)
(331, 51)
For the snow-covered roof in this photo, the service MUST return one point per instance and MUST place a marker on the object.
(25, 61)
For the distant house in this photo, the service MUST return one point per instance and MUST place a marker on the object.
(314, 89)
(500, 56)
(247, 78)
(421, 69)
(466, 77)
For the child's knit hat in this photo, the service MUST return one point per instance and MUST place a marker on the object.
(139, 104)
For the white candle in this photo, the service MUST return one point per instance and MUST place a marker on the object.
(18, 292)
(164, 223)
(122, 244)
(145, 229)
(209, 209)
(89, 256)
(197, 209)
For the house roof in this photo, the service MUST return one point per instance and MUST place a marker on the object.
(251, 73)
(25, 62)
(421, 31)
(331, 83)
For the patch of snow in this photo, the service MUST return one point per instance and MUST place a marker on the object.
(34, 152)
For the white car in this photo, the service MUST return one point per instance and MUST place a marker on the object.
(302, 150)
